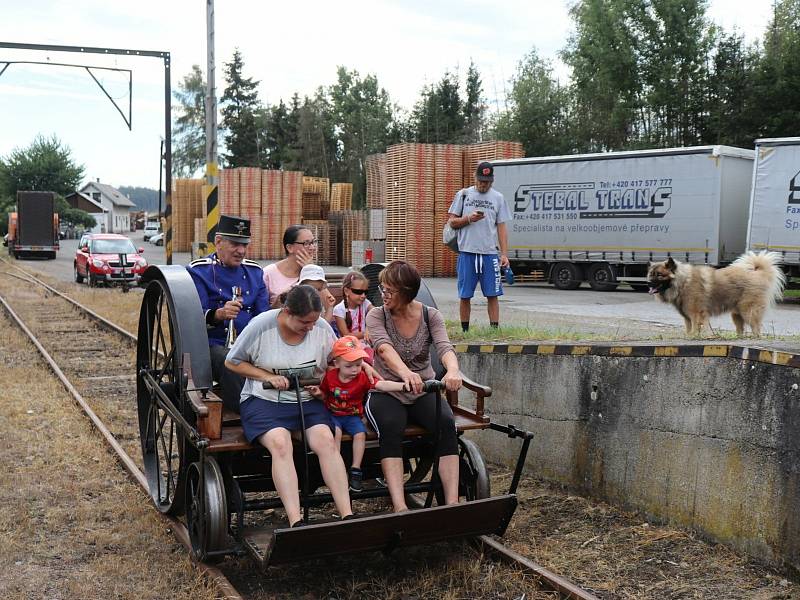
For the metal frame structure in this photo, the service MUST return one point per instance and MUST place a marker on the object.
(165, 56)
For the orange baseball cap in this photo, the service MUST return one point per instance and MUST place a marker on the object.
(348, 348)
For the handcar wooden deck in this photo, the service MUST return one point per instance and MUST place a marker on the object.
(198, 463)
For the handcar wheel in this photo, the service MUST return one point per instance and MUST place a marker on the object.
(206, 509)
(473, 477)
(164, 446)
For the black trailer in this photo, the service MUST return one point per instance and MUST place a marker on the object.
(33, 229)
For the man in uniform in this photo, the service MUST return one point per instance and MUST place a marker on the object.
(214, 277)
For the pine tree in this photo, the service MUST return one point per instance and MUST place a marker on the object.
(474, 107)
(243, 118)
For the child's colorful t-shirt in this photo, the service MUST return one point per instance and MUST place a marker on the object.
(345, 399)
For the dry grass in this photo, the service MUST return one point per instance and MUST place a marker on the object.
(73, 524)
(617, 554)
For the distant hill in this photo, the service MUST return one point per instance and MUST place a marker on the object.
(145, 199)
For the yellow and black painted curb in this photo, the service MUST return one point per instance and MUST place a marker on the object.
(772, 357)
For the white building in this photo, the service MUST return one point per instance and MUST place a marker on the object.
(116, 206)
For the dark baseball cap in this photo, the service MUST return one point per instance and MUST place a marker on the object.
(485, 172)
(235, 229)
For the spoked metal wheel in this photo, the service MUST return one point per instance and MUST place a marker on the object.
(473, 477)
(206, 509)
(170, 328)
(163, 441)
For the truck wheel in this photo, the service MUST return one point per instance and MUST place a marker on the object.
(602, 278)
(567, 276)
(78, 276)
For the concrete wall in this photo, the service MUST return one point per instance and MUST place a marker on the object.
(707, 443)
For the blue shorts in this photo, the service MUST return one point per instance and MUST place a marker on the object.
(349, 424)
(472, 268)
(260, 416)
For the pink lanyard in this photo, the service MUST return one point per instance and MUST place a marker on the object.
(358, 317)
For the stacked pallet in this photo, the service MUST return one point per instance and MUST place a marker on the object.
(377, 223)
(316, 198)
(341, 196)
(495, 150)
(376, 180)
(270, 216)
(448, 177)
(327, 247)
(187, 201)
(292, 206)
(199, 229)
(228, 192)
(409, 205)
(250, 206)
(350, 225)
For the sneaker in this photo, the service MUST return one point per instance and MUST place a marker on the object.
(355, 479)
(381, 481)
(297, 524)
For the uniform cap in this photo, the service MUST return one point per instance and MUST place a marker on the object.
(235, 229)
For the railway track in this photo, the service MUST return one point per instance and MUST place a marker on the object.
(71, 337)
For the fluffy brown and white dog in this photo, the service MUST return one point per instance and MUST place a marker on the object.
(746, 288)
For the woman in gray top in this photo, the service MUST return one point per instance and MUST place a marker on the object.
(402, 336)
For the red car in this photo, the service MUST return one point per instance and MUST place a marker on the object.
(98, 259)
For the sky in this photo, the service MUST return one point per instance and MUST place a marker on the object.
(289, 47)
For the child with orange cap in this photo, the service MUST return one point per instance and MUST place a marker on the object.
(344, 389)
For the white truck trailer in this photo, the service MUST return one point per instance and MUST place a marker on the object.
(603, 217)
(775, 206)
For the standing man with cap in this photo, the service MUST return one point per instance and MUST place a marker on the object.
(215, 276)
(479, 214)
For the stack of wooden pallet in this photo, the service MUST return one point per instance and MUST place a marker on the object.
(448, 177)
(228, 192)
(187, 202)
(270, 217)
(327, 246)
(292, 207)
(409, 205)
(250, 206)
(341, 196)
(494, 150)
(376, 180)
(316, 198)
(350, 225)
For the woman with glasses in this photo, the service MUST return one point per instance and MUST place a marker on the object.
(403, 333)
(300, 247)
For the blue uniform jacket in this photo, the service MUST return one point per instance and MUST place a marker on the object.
(214, 282)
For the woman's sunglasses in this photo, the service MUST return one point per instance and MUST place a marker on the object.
(358, 292)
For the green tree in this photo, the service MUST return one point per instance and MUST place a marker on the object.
(778, 73)
(731, 103)
(362, 119)
(189, 129)
(316, 138)
(605, 73)
(438, 117)
(474, 107)
(46, 165)
(243, 118)
(538, 110)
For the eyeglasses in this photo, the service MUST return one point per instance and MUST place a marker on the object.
(385, 292)
(358, 292)
(307, 243)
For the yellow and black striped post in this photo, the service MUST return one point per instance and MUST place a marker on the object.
(211, 195)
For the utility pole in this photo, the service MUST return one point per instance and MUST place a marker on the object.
(160, 175)
(210, 190)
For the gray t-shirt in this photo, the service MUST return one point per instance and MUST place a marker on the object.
(480, 237)
(261, 344)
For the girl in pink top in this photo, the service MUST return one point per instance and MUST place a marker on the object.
(300, 246)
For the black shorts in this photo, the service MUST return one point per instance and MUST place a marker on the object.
(389, 417)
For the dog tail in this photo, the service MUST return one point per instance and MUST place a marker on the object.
(766, 262)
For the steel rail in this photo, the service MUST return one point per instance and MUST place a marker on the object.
(549, 579)
(178, 528)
